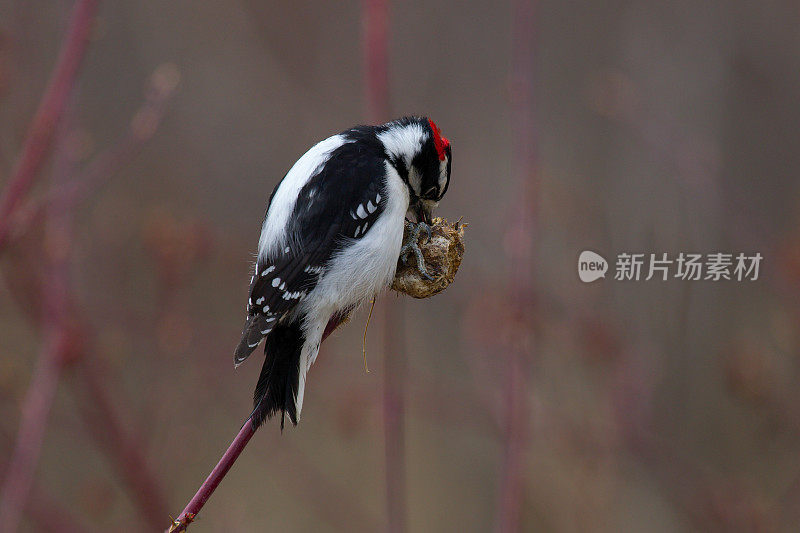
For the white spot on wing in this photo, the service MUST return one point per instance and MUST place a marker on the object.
(360, 211)
(286, 250)
(268, 270)
(258, 302)
(265, 331)
(270, 319)
(371, 208)
(266, 310)
(283, 286)
(276, 282)
(378, 198)
(358, 230)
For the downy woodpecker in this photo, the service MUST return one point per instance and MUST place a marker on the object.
(330, 240)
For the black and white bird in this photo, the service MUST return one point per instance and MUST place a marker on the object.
(330, 240)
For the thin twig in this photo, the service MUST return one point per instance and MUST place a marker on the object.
(51, 108)
(214, 478)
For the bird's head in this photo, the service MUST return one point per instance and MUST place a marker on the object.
(424, 155)
(429, 176)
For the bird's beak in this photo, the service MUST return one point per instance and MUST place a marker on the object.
(423, 215)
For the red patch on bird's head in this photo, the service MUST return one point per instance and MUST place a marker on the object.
(441, 143)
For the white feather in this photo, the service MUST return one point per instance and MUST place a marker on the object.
(404, 142)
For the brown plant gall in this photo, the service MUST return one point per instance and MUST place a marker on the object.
(442, 253)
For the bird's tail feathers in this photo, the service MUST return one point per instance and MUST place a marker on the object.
(278, 384)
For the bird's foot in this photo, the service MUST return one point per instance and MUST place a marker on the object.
(411, 246)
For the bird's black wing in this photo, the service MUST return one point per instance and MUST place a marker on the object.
(340, 203)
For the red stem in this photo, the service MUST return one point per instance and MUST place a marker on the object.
(51, 108)
(214, 478)
(35, 410)
(376, 58)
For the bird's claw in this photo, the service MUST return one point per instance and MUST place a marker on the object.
(411, 246)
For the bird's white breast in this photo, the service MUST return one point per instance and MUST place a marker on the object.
(365, 266)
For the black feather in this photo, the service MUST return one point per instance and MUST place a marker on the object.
(251, 337)
(279, 380)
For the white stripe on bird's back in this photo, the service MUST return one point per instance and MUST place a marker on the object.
(274, 236)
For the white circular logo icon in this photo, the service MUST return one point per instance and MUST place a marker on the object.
(591, 266)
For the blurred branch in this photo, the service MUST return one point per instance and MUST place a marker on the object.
(45, 511)
(50, 516)
(66, 342)
(121, 445)
(394, 377)
(376, 58)
(35, 410)
(41, 130)
(376, 77)
(106, 424)
(41, 391)
(106, 165)
(519, 246)
(711, 502)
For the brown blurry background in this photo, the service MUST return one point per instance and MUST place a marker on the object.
(533, 401)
